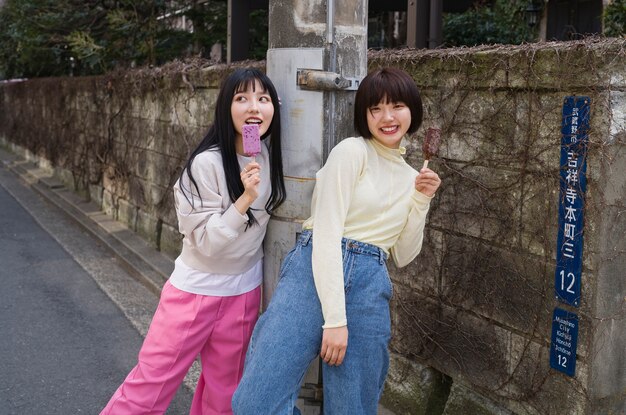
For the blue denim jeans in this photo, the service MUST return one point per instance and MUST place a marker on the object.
(288, 336)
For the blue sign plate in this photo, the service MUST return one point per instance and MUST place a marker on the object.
(573, 174)
(564, 339)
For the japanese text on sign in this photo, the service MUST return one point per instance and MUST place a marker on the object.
(574, 140)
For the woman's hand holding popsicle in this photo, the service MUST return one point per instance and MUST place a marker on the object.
(250, 177)
(427, 182)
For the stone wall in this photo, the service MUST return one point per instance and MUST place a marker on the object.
(472, 314)
(119, 139)
(475, 308)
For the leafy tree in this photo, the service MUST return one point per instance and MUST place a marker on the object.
(500, 21)
(83, 37)
(614, 18)
(210, 23)
(33, 35)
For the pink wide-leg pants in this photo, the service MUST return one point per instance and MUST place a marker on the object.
(185, 325)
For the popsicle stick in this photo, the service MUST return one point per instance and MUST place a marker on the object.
(425, 164)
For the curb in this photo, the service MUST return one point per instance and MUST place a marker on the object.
(142, 261)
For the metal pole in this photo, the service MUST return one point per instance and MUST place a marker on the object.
(237, 42)
(417, 23)
(435, 35)
(317, 56)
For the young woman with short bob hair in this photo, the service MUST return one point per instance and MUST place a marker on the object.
(333, 294)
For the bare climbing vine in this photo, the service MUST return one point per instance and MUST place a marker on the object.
(477, 303)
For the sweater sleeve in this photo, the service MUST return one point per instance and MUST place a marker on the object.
(409, 243)
(334, 188)
(201, 217)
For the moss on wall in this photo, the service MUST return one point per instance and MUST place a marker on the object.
(474, 310)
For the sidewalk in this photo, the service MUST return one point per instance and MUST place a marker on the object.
(73, 318)
(147, 265)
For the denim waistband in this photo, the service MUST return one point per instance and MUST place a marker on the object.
(350, 245)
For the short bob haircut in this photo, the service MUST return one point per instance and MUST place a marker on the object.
(386, 85)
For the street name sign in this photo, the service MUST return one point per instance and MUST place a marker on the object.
(573, 183)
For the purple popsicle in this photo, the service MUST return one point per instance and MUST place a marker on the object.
(251, 140)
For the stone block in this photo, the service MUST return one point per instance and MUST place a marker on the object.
(480, 202)
(177, 141)
(455, 342)
(155, 196)
(509, 369)
(423, 273)
(166, 210)
(533, 387)
(181, 107)
(136, 193)
(514, 289)
(147, 227)
(440, 69)
(568, 66)
(478, 127)
(109, 205)
(185, 109)
(65, 176)
(127, 213)
(414, 389)
(538, 118)
(160, 169)
(96, 194)
(171, 241)
(464, 401)
(539, 209)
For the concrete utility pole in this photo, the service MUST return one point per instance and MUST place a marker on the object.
(317, 57)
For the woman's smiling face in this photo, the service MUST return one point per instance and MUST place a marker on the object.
(388, 122)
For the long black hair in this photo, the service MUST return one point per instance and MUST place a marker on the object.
(221, 135)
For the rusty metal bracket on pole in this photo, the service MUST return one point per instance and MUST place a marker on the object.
(317, 80)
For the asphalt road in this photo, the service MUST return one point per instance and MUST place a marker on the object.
(65, 345)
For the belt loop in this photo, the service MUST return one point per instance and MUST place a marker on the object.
(305, 237)
(381, 256)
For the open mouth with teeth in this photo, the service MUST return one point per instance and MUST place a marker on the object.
(254, 121)
(389, 130)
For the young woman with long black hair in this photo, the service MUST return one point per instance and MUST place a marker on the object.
(210, 303)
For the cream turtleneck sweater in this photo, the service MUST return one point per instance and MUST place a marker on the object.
(365, 192)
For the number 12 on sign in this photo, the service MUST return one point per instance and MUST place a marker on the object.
(564, 341)
(568, 282)
(573, 175)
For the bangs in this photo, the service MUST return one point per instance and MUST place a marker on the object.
(249, 82)
(386, 88)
